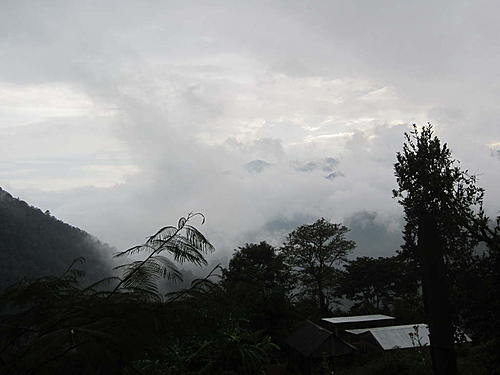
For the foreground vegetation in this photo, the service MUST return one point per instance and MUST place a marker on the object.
(236, 319)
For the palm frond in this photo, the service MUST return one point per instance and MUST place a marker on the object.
(167, 269)
(163, 234)
(134, 250)
(194, 236)
(80, 260)
(183, 251)
(182, 221)
(184, 243)
(74, 274)
(105, 280)
(198, 286)
(140, 275)
(206, 281)
(144, 294)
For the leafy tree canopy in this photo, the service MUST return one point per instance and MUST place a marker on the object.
(260, 282)
(313, 251)
(258, 264)
(375, 283)
(431, 183)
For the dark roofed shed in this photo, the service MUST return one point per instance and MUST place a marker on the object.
(310, 344)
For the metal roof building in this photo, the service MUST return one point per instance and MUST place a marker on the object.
(357, 319)
(340, 324)
(395, 337)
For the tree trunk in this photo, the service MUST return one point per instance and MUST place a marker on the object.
(323, 308)
(436, 298)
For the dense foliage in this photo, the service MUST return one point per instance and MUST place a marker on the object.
(379, 284)
(259, 283)
(54, 326)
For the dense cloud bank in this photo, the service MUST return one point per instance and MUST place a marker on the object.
(121, 117)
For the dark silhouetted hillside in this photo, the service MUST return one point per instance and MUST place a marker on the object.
(34, 243)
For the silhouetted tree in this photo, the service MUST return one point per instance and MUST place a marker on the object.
(439, 201)
(258, 283)
(477, 292)
(313, 251)
(376, 283)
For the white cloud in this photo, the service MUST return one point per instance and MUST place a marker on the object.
(133, 117)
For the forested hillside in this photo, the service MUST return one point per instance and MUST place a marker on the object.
(34, 243)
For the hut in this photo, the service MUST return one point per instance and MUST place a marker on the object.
(311, 345)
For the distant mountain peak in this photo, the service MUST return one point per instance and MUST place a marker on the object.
(256, 166)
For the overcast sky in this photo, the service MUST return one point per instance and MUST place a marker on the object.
(121, 116)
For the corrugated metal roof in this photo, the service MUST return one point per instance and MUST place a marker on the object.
(359, 318)
(394, 337)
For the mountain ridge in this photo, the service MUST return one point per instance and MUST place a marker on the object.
(34, 243)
